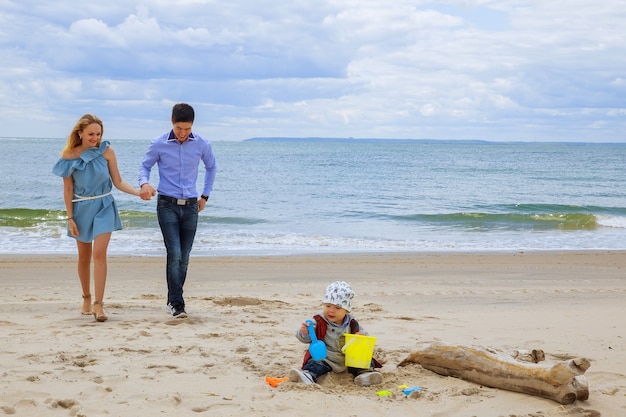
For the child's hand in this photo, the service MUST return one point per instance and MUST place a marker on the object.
(304, 329)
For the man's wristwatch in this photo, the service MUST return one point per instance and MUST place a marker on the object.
(206, 197)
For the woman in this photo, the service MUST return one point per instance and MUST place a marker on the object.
(89, 170)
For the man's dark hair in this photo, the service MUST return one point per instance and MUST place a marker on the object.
(182, 112)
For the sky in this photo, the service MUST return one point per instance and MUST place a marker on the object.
(509, 70)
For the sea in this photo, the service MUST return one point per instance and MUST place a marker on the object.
(286, 197)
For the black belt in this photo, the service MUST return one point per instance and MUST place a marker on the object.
(178, 201)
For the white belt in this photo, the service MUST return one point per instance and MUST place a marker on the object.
(81, 198)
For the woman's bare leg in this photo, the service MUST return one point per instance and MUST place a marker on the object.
(84, 273)
(100, 247)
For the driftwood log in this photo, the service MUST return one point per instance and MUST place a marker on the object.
(562, 382)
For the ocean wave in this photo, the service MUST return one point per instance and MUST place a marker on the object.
(26, 218)
(526, 217)
(509, 217)
(513, 221)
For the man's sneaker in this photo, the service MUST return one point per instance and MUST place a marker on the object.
(296, 375)
(179, 312)
(169, 308)
(369, 378)
(176, 311)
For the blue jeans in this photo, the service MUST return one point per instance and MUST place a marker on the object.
(178, 226)
(319, 368)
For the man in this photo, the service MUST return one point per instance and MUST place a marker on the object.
(178, 154)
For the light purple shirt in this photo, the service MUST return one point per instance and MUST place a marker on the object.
(178, 165)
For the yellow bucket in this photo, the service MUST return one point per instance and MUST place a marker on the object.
(359, 350)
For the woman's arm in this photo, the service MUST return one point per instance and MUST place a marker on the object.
(114, 171)
(68, 196)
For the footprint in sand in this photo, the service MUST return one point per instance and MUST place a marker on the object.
(247, 301)
(67, 404)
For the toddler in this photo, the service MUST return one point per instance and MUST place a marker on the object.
(331, 324)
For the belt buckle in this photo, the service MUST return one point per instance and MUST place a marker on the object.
(181, 202)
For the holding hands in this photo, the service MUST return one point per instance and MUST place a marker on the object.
(147, 191)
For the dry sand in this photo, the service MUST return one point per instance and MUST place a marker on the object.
(243, 314)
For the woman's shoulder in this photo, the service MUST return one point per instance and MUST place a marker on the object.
(104, 145)
(106, 149)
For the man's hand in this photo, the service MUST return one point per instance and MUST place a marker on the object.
(147, 192)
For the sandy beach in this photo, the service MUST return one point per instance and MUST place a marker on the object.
(243, 312)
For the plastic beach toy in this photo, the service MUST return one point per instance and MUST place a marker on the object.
(316, 348)
(410, 390)
(359, 350)
(275, 381)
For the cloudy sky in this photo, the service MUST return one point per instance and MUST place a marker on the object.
(459, 69)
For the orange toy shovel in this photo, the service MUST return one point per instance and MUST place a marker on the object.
(275, 381)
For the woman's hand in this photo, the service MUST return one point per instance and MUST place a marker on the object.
(73, 228)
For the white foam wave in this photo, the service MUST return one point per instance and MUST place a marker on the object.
(148, 242)
(611, 221)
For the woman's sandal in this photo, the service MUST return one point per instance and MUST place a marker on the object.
(99, 317)
(87, 312)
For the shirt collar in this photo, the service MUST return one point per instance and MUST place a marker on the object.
(172, 136)
(346, 321)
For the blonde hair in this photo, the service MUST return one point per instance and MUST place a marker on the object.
(74, 138)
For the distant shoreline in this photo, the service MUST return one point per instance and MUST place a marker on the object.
(368, 140)
(418, 141)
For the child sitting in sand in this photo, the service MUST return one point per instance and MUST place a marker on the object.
(330, 326)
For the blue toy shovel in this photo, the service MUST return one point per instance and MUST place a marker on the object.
(316, 348)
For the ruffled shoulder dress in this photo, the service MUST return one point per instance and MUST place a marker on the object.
(94, 208)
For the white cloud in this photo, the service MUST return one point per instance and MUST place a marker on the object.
(488, 69)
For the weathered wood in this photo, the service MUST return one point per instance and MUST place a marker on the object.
(562, 382)
(534, 356)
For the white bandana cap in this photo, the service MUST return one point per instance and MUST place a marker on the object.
(339, 293)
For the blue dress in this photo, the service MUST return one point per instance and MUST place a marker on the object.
(94, 208)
